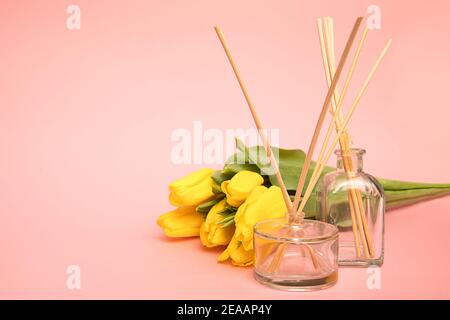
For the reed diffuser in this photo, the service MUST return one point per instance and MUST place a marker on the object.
(365, 247)
(336, 206)
(294, 253)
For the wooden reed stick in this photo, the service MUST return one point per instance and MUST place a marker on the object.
(316, 134)
(256, 119)
(320, 165)
(338, 103)
(355, 197)
(352, 66)
(293, 218)
(355, 104)
(306, 250)
(327, 45)
(337, 114)
(326, 63)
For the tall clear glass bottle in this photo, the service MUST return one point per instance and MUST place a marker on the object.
(354, 201)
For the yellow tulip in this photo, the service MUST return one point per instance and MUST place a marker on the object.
(238, 255)
(181, 222)
(262, 203)
(239, 187)
(265, 203)
(192, 189)
(211, 233)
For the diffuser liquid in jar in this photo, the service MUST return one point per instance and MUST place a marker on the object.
(296, 257)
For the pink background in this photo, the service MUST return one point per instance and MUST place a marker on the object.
(86, 118)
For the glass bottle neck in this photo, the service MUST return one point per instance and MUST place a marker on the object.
(350, 161)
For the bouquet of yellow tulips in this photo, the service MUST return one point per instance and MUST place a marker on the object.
(225, 217)
(222, 206)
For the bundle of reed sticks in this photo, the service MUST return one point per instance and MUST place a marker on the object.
(333, 103)
(361, 232)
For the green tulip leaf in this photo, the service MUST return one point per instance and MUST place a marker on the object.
(206, 206)
(220, 176)
(290, 162)
(227, 221)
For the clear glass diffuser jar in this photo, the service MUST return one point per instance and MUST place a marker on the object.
(296, 257)
(354, 201)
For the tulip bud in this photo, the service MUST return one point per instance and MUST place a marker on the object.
(238, 255)
(192, 189)
(262, 203)
(212, 233)
(181, 222)
(239, 187)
